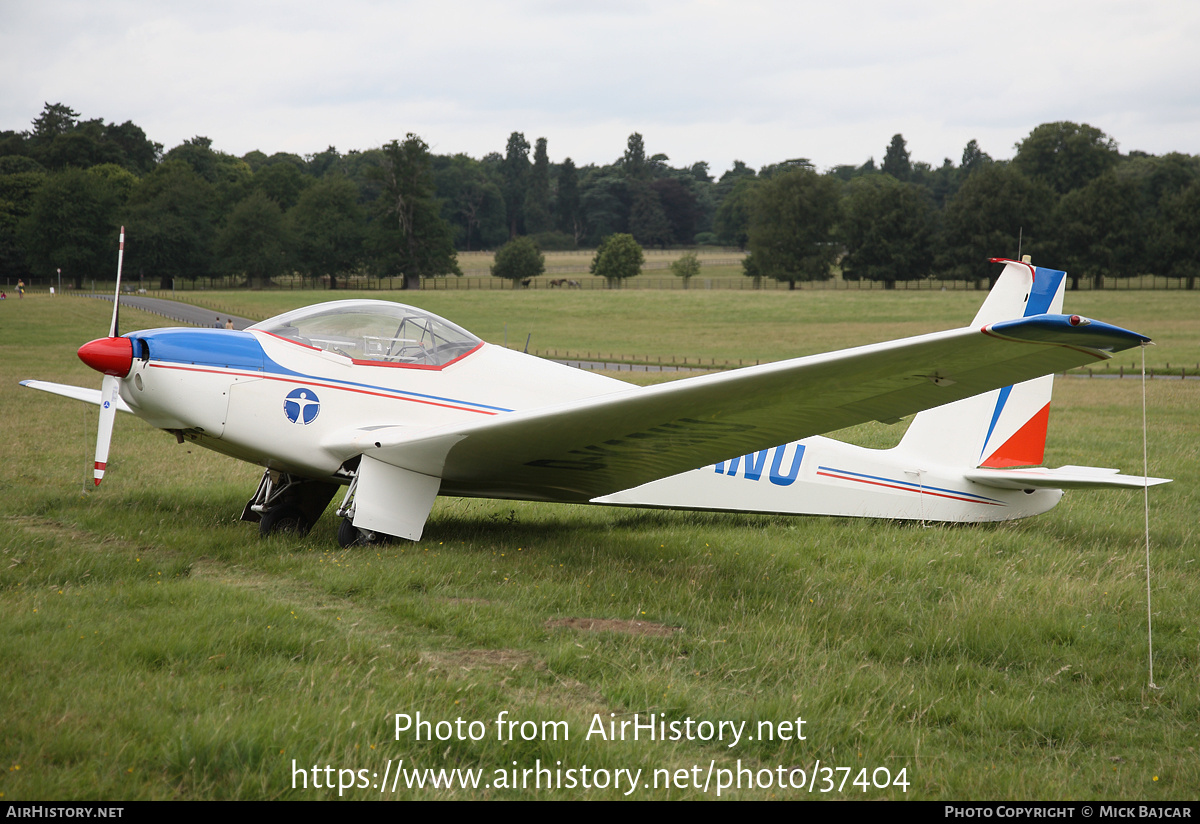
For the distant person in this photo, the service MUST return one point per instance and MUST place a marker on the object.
(20, 288)
(218, 324)
(51, 291)
(228, 323)
(3, 296)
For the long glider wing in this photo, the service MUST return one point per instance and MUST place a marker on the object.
(582, 449)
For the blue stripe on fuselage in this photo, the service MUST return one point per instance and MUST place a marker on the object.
(241, 350)
(203, 347)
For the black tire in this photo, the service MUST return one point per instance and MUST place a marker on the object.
(286, 519)
(348, 535)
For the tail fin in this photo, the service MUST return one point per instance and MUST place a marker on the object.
(1005, 427)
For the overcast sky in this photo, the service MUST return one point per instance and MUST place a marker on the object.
(756, 81)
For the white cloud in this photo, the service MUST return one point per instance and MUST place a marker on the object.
(708, 80)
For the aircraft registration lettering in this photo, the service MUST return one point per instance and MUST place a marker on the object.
(755, 462)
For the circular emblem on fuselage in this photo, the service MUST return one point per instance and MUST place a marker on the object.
(301, 406)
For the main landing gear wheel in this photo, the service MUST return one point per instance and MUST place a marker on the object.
(284, 518)
(287, 503)
(349, 535)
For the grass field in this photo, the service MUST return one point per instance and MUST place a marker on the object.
(154, 647)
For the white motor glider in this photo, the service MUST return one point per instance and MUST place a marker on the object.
(401, 406)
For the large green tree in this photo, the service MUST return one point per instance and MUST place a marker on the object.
(537, 196)
(732, 221)
(1175, 235)
(792, 218)
(230, 176)
(73, 223)
(973, 158)
(569, 217)
(20, 179)
(60, 139)
(618, 258)
(516, 181)
(647, 221)
(328, 227)
(254, 241)
(896, 160)
(282, 181)
(686, 267)
(519, 260)
(634, 163)
(410, 236)
(322, 163)
(887, 230)
(998, 212)
(604, 203)
(171, 222)
(471, 201)
(1065, 155)
(680, 206)
(1099, 231)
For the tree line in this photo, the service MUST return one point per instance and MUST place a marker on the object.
(1068, 196)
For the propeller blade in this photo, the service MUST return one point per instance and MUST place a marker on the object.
(111, 388)
(108, 414)
(112, 329)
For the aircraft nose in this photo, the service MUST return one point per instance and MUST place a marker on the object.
(112, 356)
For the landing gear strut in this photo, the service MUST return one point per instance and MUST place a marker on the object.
(348, 534)
(287, 503)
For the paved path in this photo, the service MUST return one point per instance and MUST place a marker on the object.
(175, 310)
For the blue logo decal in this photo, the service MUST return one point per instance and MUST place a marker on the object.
(301, 406)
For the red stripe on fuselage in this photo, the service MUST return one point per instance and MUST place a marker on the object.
(323, 385)
(920, 490)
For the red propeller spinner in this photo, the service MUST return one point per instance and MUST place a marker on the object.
(111, 356)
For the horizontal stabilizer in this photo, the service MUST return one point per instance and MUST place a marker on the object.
(79, 393)
(1065, 477)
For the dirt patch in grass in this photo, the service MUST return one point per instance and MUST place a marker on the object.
(565, 694)
(614, 625)
(469, 659)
